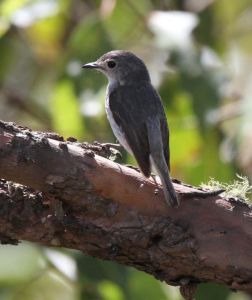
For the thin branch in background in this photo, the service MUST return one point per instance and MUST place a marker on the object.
(28, 107)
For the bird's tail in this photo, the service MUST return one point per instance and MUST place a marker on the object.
(158, 161)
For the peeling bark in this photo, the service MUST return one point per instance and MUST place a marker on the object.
(78, 199)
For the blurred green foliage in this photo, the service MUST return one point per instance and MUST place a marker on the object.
(199, 57)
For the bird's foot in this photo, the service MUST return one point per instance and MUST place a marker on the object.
(111, 145)
(110, 150)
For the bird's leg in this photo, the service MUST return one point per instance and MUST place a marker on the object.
(153, 176)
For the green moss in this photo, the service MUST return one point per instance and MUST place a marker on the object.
(239, 188)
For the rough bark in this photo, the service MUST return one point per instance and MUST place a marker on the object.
(78, 199)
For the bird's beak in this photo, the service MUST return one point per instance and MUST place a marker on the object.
(92, 65)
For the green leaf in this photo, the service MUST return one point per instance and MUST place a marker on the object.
(143, 286)
(110, 291)
(66, 117)
(184, 131)
(211, 291)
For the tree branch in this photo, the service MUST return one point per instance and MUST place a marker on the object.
(110, 211)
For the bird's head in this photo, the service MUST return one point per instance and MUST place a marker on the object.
(121, 66)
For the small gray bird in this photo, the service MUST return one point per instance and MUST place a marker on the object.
(136, 115)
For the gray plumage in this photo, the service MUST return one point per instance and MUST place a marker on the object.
(136, 115)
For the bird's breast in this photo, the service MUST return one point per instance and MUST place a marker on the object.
(117, 130)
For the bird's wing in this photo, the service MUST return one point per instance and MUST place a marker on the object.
(132, 107)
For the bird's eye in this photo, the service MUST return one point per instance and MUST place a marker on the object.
(111, 64)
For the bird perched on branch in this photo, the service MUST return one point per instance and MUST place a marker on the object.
(136, 115)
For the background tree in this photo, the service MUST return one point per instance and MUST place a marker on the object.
(199, 57)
